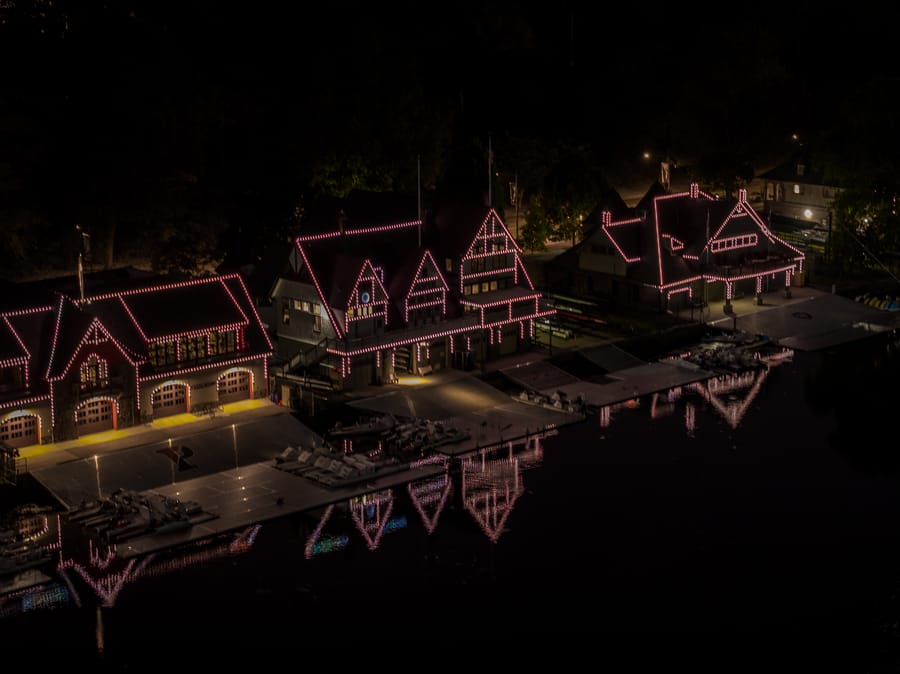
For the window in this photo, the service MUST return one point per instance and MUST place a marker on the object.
(286, 312)
(317, 323)
(448, 264)
(11, 378)
(798, 188)
(474, 288)
(193, 348)
(161, 354)
(485, 287)
(307, 307)
(295, 304)
(493, 285)
(94, 373)
(222, 342)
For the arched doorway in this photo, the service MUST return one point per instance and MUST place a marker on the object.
(235, 385)
(21, 430)
(95, 415)
(170, 398)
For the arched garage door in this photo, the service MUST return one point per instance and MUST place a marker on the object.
(234, 386)
(94, 416)
(20, 431)
(169, 399)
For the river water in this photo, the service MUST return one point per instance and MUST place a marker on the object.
(753, 516)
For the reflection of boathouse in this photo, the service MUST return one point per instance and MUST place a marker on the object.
(491, 483)
(730, 395)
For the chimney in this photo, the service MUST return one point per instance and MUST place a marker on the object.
(664, 174)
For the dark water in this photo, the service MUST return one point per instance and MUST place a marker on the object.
(759, 524)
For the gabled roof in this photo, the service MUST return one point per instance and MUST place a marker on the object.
(454, 226)
(627, 237)
(692, 220)
(35, 328)
(338, 259)
(334, 255)
(646, 203)
(255, 335)
(612, 201)
(402, 280)
(68, 331)
(11, 346)
(50, 336)
(136, 316)
(206, 304)
(404, 275)
(788, 171)
(358, 210)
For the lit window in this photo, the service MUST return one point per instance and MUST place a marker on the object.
(221, 342)
(94, 373)
(192, 348)
(798, 189)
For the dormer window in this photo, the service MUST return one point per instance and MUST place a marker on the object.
(94, 373)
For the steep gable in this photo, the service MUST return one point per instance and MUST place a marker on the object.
(368, 296)
(427, 287)
(742, 228)
(12, 349)
(96, 334)
(491, 236)
(334, 262)
(69, 329)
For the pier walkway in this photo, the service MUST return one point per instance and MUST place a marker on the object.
(226, 462)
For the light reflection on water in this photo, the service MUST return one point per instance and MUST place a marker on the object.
(752, 502)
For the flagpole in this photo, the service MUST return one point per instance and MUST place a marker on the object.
(419, 194)
(490, 169)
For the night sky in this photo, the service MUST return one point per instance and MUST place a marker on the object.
(139, 113)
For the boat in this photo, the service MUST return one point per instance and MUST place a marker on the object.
(16, 558)
(126, 514)
(372, 426)
(441, 434)
(558, 402)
